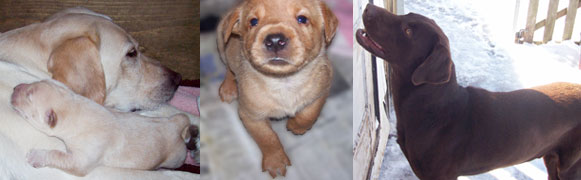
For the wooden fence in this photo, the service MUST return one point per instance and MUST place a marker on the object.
(527, 34)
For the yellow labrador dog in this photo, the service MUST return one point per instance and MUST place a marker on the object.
(95, 58)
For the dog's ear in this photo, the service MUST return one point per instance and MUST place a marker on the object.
(331, 22)
(76, 63)
(230, 24)
(436, 68)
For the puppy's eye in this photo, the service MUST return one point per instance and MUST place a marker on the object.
(135, 110)
(408, 32)
(253, 22)
(302, 19)
(132, 53)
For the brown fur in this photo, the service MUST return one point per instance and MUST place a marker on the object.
(446, 130)
(76, 63)
(295, 86)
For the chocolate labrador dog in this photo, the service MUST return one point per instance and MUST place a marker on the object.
(446, 130)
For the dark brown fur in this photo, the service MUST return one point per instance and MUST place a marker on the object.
(446, 130)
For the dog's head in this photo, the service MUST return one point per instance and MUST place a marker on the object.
(279, 36)
(99, 60)
(40, 103)
(411, 42)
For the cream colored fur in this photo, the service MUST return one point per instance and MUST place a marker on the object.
(24, 56)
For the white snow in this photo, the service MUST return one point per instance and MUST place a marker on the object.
(481, 34)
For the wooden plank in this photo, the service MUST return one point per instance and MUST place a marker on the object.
(390, 5)
(363, 148)
(531, 20)
(551, 18)
(365, 140)
(570, 19)
(168, 30)
(560, 14)
(515, 16)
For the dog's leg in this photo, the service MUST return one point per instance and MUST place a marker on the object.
(552, 162)
(274, 159)
(573, 172)
(568, 159)
(304, 119)
(228, 89)
(77, 164)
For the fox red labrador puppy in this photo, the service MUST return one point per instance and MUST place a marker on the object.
(446, 130)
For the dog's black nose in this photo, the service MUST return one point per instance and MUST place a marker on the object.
(275, 42)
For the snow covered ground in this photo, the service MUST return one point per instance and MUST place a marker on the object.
(481, 34)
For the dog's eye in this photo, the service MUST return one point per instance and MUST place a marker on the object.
(253, 22)
(302, 19)
(132, 53)
(408, 32)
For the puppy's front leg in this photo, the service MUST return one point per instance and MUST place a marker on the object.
(72, 163)
(228, 89)
(304, 119)
(274, 159)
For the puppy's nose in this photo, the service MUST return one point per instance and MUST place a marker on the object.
(275, 42)
(20, 87)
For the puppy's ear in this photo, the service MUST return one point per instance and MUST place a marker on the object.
(436, 68)
(230, 24)
(76, 63)
(331, 22)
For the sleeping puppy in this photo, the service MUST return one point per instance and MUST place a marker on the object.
(446, 130)
(106, 138)
(275, 53)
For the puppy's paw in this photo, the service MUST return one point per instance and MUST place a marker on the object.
(297, 129)
(228, 91)
(36, 158)
(275, 163)
(193, 143)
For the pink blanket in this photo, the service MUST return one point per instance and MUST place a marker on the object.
(186, 99)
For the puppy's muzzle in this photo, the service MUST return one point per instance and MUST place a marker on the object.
(19, 91)
(275, 42)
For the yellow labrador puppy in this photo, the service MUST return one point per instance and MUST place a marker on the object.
(95, 58)
(95, 136)
(277, 67)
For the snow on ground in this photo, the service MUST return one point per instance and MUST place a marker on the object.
(481, 40)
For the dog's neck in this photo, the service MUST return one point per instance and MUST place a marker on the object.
(405, 92)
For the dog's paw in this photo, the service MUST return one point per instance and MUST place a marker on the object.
(297, 129)
(228, 92)
(275, 163)
(36, 158)
(193, 143)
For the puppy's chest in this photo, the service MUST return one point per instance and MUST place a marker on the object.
(291, 94)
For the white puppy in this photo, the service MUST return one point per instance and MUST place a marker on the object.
(95, 136)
